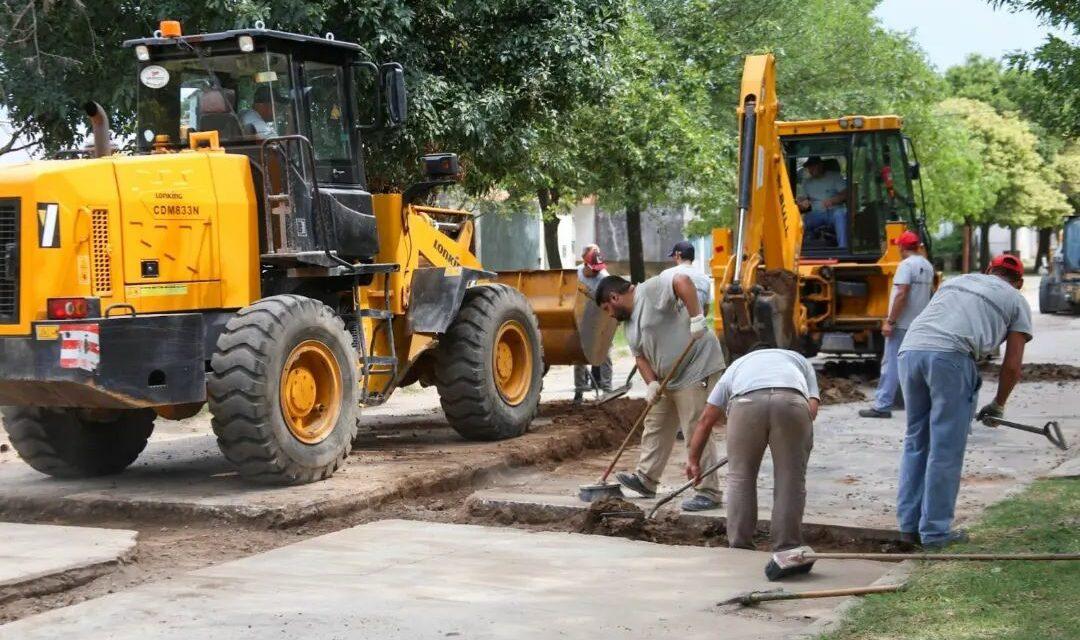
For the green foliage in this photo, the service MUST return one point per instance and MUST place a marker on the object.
(1001, 600)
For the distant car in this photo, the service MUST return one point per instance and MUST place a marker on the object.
(1059, 290)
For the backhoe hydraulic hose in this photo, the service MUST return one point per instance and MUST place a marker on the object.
(747, 140)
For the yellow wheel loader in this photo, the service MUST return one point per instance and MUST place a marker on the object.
(811, 261)
(238, 259)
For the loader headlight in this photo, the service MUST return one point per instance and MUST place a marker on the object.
(247, 45)
(142, 52)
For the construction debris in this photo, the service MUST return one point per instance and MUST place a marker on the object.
(1037, 372)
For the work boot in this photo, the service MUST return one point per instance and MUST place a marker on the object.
(954, 537)
(633, 482)
(700, 502)
(874, 413)
(578, 398)
(909, 538)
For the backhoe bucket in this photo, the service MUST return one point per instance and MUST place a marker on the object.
(573, 329)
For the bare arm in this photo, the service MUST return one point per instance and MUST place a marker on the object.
(709, 417)
(1010, 366)
(899, 302)
(685, 291)
(645, 369)
(815, 404)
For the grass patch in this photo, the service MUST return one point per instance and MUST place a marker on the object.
(999, 600)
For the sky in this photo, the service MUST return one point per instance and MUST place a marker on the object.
(949, 30)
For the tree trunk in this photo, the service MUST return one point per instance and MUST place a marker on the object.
(1012, 240)
(965, 260)
(547, 198)
(1042, 254)
(984, 246)
(633, 238)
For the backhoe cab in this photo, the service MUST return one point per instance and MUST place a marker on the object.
(1059, 289)
(811, 262)
(238, 260)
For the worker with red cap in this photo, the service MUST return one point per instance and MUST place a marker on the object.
(912, 286)
(967, 319)
(592, 270)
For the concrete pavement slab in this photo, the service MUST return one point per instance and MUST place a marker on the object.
(1068, 469)
(41, 558)
(398, 579)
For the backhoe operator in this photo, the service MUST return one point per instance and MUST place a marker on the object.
(823, 200)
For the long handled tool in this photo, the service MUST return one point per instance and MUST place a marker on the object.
(801, 559)
(1050, 430)
(754, 597)
(605, 489)
(671, 496)
(620, 391)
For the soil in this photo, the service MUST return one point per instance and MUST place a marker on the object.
(1037, 372)
(838, 390)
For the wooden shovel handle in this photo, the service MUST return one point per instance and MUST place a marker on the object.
(645, 412)
(766, 596)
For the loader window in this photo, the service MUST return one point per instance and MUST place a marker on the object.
(1070, 246)
(324, 93)
(896, 182)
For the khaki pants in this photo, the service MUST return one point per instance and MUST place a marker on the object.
(677, 408)
(780, 420)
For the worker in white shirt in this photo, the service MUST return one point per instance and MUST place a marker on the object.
(683, 255)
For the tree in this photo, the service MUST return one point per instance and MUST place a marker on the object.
(485, 76)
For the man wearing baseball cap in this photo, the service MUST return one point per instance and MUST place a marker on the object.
(968, 317)
(913, 284)
(683, 255)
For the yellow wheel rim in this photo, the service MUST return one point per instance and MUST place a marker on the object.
(512, 362)
(311, 392)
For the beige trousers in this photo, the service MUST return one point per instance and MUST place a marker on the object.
(677, 408)
(780, 420)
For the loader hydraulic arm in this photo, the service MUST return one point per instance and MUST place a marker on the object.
(759, 300)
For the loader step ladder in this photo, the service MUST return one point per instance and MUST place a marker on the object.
(372, 363)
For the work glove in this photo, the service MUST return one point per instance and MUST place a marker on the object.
(697, 326)
(992, 410)
(652, 392)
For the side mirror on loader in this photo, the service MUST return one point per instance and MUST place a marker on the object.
(394, 89)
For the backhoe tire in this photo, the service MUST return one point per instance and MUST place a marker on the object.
(490, 365)
(73, 443)
(283, 391)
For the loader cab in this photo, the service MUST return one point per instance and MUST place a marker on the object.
(298, 106)
(865, 170)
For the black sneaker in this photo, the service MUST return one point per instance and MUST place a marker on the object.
(634, 483)
(910, 538)
(954, 537)
(578, 398)
(874, 413)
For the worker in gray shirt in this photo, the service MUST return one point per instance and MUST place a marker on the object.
(969, 317)
(683, 255)
(913, 284)
(662, 317)
(768, 398)
(592, 270)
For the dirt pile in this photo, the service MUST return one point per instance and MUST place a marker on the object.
(838, 390)
(1038, 372)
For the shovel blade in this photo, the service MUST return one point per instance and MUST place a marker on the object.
(594, 492)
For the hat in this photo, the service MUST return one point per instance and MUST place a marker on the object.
(684, 248)
(908, 240)
(1010, 262)
(812, 160)
(595, 260)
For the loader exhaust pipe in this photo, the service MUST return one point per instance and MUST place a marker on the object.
(99, 125)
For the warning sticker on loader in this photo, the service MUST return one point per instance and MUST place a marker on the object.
(80, 347)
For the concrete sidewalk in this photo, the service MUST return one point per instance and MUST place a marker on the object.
(409, 580)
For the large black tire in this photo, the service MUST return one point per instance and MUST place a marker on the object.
(465, 372)
(245, 384)
(69, 443)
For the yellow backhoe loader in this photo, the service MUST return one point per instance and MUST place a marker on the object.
(238, 259)
(810, 263)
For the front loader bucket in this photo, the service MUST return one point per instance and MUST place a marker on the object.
(573, 329)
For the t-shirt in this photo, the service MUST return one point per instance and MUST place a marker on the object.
(659, 330)
(819, 189)
(916, 272)
(969, 314)
(702, 283)
(765, 369)
(590, 283)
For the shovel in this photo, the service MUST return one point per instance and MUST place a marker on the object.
(668, 498)
(619, 392)
(772, 595)
(605, 489)
(1050, 430)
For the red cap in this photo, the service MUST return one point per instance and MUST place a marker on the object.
(1010, 262)
(908, 240)
(595, 260)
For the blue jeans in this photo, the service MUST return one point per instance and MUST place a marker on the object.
(890, 372)
(940, 392)
(836, 217)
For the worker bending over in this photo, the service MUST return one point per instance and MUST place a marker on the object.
(769, 398)
(913, 284)
(662, 316)
(968, 317)
(593, 269)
